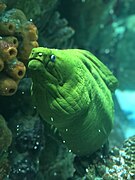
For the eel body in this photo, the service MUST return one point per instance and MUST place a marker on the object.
(72, 90)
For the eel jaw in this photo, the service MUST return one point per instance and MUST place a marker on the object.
(35, 64)
(38, 64)
(56, 74)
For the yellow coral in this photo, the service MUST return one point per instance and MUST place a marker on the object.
(18, 37)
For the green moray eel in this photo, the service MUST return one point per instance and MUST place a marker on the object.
(72, 91)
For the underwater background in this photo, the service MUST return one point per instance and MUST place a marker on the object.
(31, 148)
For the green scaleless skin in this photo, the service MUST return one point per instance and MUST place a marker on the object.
(72, 91)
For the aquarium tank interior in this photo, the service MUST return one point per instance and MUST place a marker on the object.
(67, 90)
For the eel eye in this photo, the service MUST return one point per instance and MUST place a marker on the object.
(52, 57)
(40, 54)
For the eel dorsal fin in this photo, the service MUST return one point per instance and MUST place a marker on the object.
(107, 76)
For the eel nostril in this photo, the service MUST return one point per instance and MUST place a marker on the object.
(40, 54)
